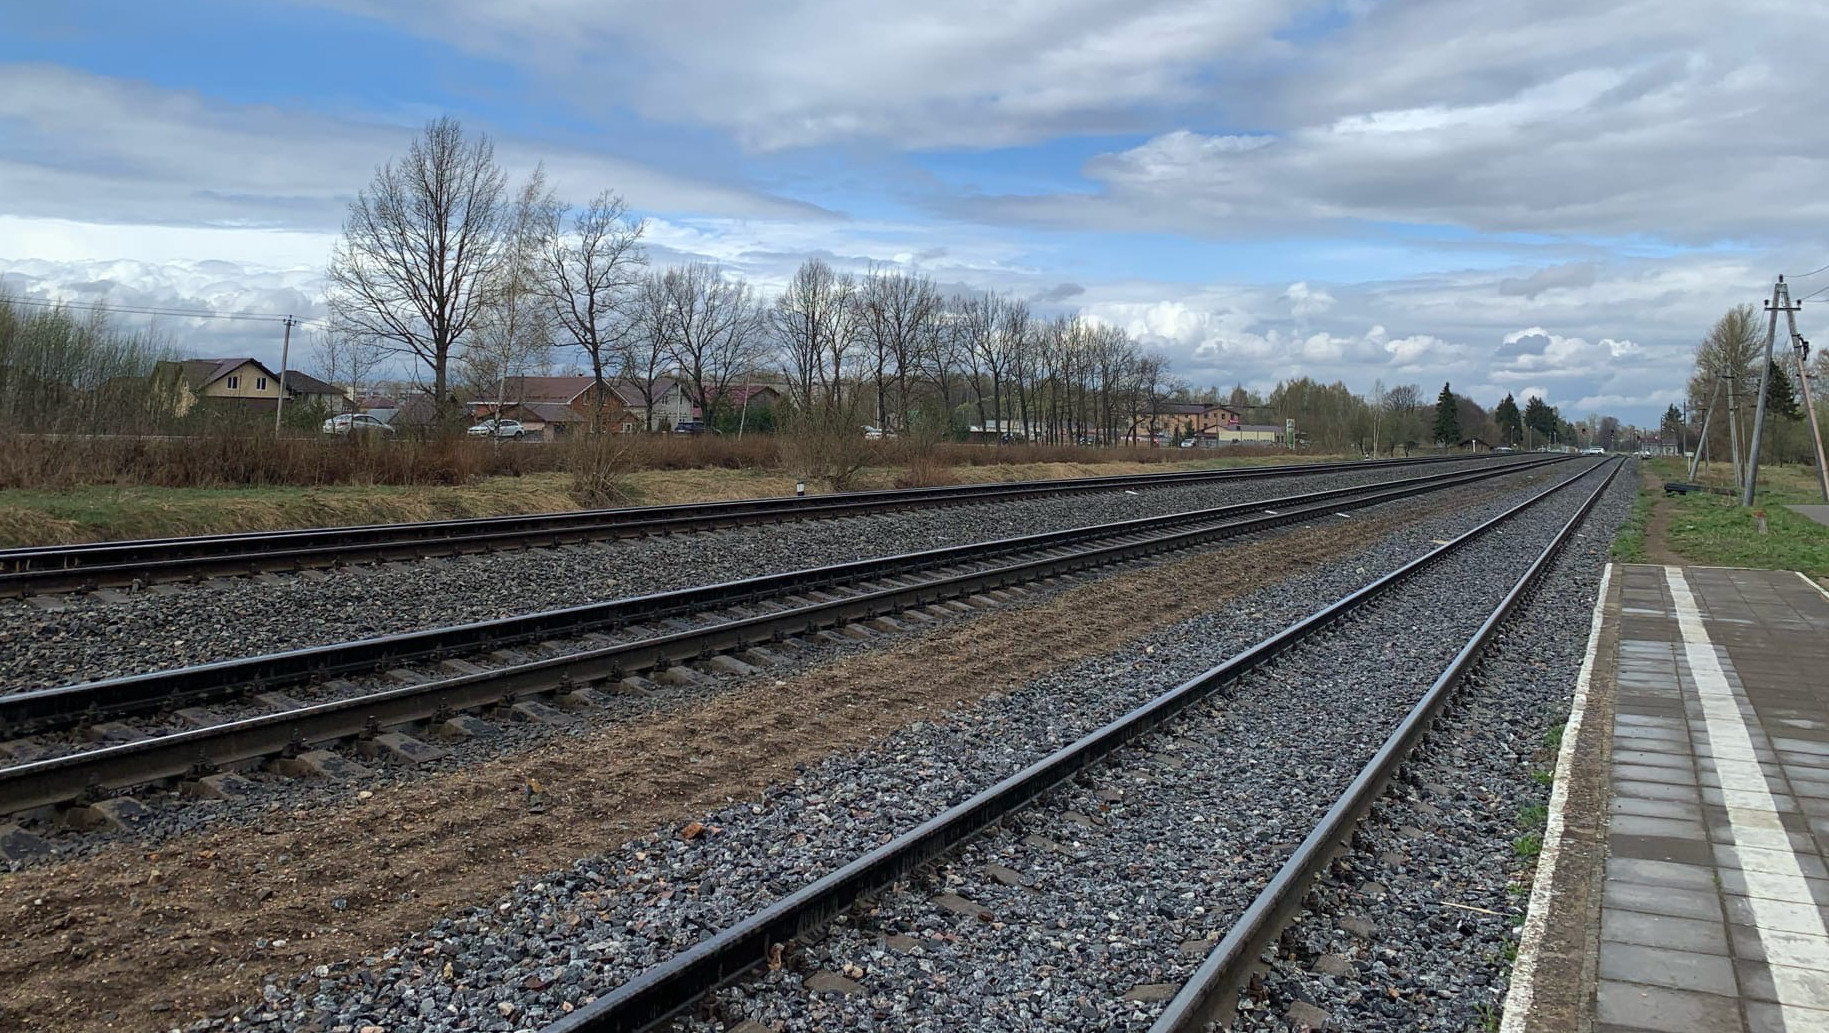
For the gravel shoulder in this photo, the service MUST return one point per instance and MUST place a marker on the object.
(198, 923)
(177, 625)
(1445, 859)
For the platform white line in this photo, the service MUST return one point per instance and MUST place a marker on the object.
(1808, 580)
(1522, 987)
(1793, 936)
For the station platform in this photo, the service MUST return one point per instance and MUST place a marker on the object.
(1683, 885)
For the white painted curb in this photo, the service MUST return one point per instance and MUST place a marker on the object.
(1523, 973)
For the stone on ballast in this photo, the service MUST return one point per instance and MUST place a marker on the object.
(1006, 876)
(960, 906)
(1153, 992)
(16, 844)
(1337, 965)
(1358, 926)
(831, 982)
(1305, 1016)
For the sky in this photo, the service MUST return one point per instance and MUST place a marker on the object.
(1554, 198)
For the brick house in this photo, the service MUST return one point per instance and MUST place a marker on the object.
(623, 405)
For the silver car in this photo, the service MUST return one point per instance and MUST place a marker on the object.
(499, 429)
(358, 423)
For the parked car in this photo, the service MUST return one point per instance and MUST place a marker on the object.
(357, 423)
(1504, 448)
(1187, 442)
(873, 433)
(1594, 450)
(693, 427)
(499, 429)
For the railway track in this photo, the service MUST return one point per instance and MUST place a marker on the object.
(659, 632)
(660, 992)
(50, 570)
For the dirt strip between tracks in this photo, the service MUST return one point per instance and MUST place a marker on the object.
(140, 939)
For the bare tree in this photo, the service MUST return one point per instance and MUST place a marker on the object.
(898, 314)
(346, 361)
(591, 274)
(419, 250)
(513, 336)
(711, 330)
(815, 322)
(642, 347)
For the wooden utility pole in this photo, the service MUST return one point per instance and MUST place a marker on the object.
(1714, 397)
(1733, 424)
(285, 359)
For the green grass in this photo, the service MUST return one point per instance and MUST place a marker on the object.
(1714, 530)
(1629, 543)
(1552, 737)
(1534, 817)
(1528, 845)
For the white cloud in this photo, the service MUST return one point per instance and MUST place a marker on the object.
(1307, 301)
(939, 73)
(87, 148)
(1556, 118)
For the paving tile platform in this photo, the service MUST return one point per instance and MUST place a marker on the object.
(1706, 737)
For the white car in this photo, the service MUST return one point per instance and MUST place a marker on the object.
(349, 423)
(1594, 450)
(499, 429)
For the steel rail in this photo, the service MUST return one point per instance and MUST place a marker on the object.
(66, 706)
(1213, 988)
(663, 990)
(224, 746)
(49, 569)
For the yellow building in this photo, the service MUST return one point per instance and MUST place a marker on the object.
(185, 383)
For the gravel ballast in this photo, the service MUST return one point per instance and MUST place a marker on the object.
(559, 938)
(87, 639)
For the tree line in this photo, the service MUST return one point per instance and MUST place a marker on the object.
(475, 282)
(1723, 394)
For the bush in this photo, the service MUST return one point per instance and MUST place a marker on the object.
(599, 465)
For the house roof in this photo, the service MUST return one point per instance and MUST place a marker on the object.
(201, 373)
(544, 389)
(737, 394)
(306, 384)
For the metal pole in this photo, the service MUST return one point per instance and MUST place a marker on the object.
(285, 357)
(1800, 348)
(1779, 294)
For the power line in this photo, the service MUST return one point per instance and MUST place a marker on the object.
(1812, 272)
(151, 310)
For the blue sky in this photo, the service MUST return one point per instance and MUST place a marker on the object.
(1260, 189)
